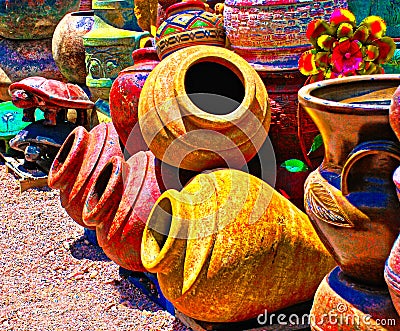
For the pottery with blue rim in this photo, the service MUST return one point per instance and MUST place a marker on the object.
(351, 198)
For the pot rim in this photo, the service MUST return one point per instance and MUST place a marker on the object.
(308, 100)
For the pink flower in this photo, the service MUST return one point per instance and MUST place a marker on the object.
(347, 57)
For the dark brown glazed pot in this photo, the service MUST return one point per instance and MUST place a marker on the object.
(124, 98)
(118, 205)
(351, 198)
(79, 162)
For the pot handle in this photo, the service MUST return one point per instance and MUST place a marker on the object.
(386, 147)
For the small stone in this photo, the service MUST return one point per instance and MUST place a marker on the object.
(93, 274)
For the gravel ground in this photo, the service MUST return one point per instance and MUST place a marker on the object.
(52, 278)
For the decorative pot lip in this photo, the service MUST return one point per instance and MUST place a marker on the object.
(189, 4)
(307, 99)
(88, 215)
(392, 278)
(79, 141)
(231, 118)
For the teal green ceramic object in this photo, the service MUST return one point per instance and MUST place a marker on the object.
(11, 121)
(389, 10)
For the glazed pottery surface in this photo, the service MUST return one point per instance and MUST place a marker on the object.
(389, 10)
(204, 107)
(392, 267)
(27, 19)
(79, 162)
(272, 34)
(394, 113)
(67, 45)
(20, 59)
(146, 12)
(342, 304)
(117, 13)
(187, 24)
(351, 198)
(108, 50)
(228, 246)
(124, 98)
(118, 205)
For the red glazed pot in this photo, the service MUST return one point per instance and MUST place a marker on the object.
(78, 164)
(124, 98)
(118, 205)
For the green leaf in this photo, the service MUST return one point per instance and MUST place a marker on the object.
(294, 165)
(317, 143)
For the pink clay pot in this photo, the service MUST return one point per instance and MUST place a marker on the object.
(78, 164)
(118, 205)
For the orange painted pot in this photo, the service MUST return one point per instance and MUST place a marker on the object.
(350, 198)
(204, 107)
(228, 247)
(340, 304)
(118, 205)
(78, 164)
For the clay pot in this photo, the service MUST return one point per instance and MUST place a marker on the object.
(394, 113)
(186, 24)
(124, 98)
(392, 272)
(213, 101)
(67, 45)
(342, 304)
(351, 198)
(228, 236)
(20, 59)
(78, 164)
(118, 205)
(27, 19)
(108, 50)
(272, 34)
(396, 180)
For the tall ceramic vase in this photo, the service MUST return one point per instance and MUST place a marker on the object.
(118, 205)
(351, 198)
(124, 98)
(78, 164)
(228, 247)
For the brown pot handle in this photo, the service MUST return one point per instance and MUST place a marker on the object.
(368, 148)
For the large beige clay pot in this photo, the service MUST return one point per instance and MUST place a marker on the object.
(204, 107)
(228, 247)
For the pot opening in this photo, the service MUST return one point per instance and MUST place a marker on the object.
(65, 149)
(160, 221)
(83, 13)
(358, 92)
(100, 185)
(214, 88)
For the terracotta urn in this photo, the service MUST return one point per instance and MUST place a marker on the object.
(67, 45)
(272, 34)
(78, 164)
(228, 247)
(146, 12)
(108, 50)
(124, 98)
(118, 204)
(27, 19)
(350, 198)
(21, 59)
(186, 24)
(342, 304)
(204, 107)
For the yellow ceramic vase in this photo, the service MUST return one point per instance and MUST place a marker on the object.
(228, 247)
(204, 107)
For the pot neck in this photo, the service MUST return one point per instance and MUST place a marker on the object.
(185, 6)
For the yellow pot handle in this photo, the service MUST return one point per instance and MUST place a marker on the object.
(368, 148)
